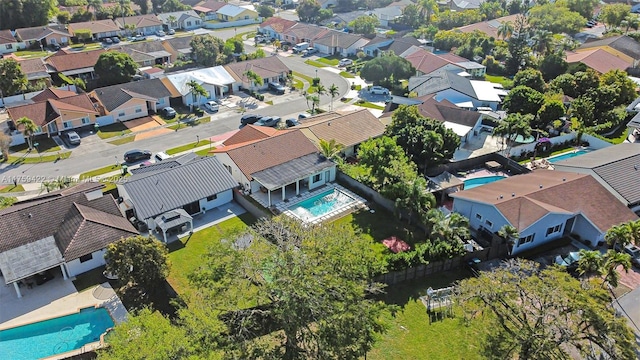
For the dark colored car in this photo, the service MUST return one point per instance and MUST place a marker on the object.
(54, 47)
(169, 113)
(285, 43)
(249, 118)
(115, 39)
(132, 156)
(276, 87)
(292, 122)
(72, 137)
(270, 121)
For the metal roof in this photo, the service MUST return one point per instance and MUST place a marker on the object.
(173, 188)
(284, 174)
(172, 219)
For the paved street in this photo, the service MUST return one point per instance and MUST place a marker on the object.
(102, 154)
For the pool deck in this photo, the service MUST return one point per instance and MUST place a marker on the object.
(478, 173)
(359, 202)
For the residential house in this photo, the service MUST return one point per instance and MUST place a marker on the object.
(132, 100)
(141, 24)
(215, 80)
(147, 53)
(462, 5)
(426, 62)
(35, 70)
(349, 130)
(339, 43)
(179, 47)
(458, 90)
(270, 69)
(208, 10)
(275, 27)
(230, 13)
(41, 36)
(598, 59)
(616, 168)
(288, 159)
(74, 64)
(53, 113)
(622, 46)
(543, 206)
(374, 46)
(389, 14)
(168, 198)
(150, 72)
(343, 19)
(489, 27)
(8, 43)
(54, 94)
(185, 20)
(466, 124)
(326, 4)
(301, 32)
(64, 232)
(100, 29)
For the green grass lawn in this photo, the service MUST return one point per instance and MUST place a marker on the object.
(204, 152)
(346, 75)
(369, 105)
(412, 336)
(11, 188)
(619, 136)
(31, 53)
(123, 140)
(309, 79)
(45, 144)
(186, 255)
(101, 171)
(18, 160)
(109, 131)
(181, 125)
(298, 84)
(315, 63)
(187, 147)
(506, 82)
(328, 61)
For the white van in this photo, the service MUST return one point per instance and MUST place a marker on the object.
(161, 156)
(299, 47)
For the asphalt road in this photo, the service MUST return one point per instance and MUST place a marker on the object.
(101, 154)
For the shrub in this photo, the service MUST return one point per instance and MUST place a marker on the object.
(315, 81)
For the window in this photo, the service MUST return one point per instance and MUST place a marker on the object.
(197, 22)
(316, 178)
(138, 110)
(85, 120)
(9, 46)
(121, 113)
(554, 229)
(228, 168)
(160, 101)
(489, 223)
(86, 258)
(188, 23)
(526, 239)
(67, 124)
(478, 216)
(212, 197)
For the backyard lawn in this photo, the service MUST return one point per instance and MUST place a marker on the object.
(506, 82)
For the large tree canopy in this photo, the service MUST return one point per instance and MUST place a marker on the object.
(208, 50)
(115, 67)
(387, 67)
(531, 78)
(544, 314)
(523, 100)
(16, 14)
(365, 25)
(12, 79)
(556, 19)
(426, 141)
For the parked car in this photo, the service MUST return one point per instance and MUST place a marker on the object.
(212, 106)
(161, 156)
(633, 251)
(309, 51)
(171, 32)
(160, 33)
(345, 62)
(249, 118)
(72, 137)
(168, 112)
(276, 87)
(285, 43)
(569, 261)
(107, 41)
(132, 156)
(270, 121)
(379, 90)
(115, 39)
(54, 47)
(292, 122)
(139, 38)
(303, 116)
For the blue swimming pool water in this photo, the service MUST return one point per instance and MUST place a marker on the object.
(321, 204)
(54, 336)
(479, 181)
(568, 155)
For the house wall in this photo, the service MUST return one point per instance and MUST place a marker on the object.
(587, 231)
(148, 30)
(244, 15)
(229, 24)
(539, 230)
(221, 199)
(191, 23)
(105, 120)
(233, 169)
(324, 178)
(480, 215)
(101, 35)
(162, 103)
(8, 48)
(371, 50)
(132, 109)
(56, 39)
(353, 49)
(70, 120)
(75, 267)
(187, 99)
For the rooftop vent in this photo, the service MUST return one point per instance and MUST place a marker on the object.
(30, 215)
(635, 167)
(501, 196)
(540, 186)
(513, 194)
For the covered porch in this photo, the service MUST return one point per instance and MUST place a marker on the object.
(444, 184)
(174, 219)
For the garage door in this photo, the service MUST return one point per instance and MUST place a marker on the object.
(105, 120)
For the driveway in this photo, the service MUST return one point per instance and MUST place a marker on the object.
(629, 307)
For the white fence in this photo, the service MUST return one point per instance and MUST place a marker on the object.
(228, 24)
(593, 141)
(16, 99)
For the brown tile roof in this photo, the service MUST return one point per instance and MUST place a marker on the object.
(80, 226)
(306, 31)
(80, 103)
(446, 111)
(250, 133)
(267, 67)
(80, 60)
(597, 59)
(6, 37)
(453, 58)
(40, 32)
(349, 129)
(488, 27)
(272, 151)
(98, 26)
(210, 5)
(278, 24)
(426, 62)
(139, 21)
(34, 68)
(623, 43)
(525, 199)
(43, 112)
(53, 93)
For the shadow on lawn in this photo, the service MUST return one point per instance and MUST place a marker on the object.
(382, 224)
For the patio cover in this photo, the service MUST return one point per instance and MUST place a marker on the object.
(172, 218)
(284, 174)
(460, 130)
(443, 181)
(78, 71)
(29, 259)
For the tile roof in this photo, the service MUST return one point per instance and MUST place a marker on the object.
(209, 6)
(113, 96)
(269, 152)
(267, 67)
(525, 199)
(250, 133)
(278, 24)
(453, 58)
(6, 37)
(427, 62)
(400, 45)
(98, 26)
(618, 166)
(158, 192)
(623, 43)
(33, 68)
(43, 112)
(338, 39)
(488, 27)
(140, 21)
(349, 129)
(78, 60)
(40, 32)
(446, 111)
(180, 43)
(440, 80)
(79, 226)
(53, 93)
(597, 59)
(306, 31)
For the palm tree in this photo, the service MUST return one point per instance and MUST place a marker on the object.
(505, 30)
(95, 4)
(418, 200)
(514, 125)
(630, 22)
(618, 235)
(172, 21)
(510, 234)
(427, 8)
(333, 91)
(197, 91)
(29, 128)
(612, 260)
(542, 41)
(253, 78)
(590, 263)
(315, 100)
(330, 149)
(452, 228)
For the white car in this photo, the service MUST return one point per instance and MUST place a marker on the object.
(160, 33)
(345, 62)
(379, 90)
(212, 106)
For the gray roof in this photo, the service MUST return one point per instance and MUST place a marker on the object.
(29, 259)
(443, 181)
(623, 43)
(284, 174)
(172, 219)
(181, 42)
(113, 96)
(467, 65)
(618, 166)
(440, 80)
(338, 39)
(162, 165)
(400, 45)
(159, 192)
(40, 32)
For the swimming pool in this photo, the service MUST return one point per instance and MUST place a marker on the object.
(479, 181)
(322, 204)
(568, 155)
(54, 336)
